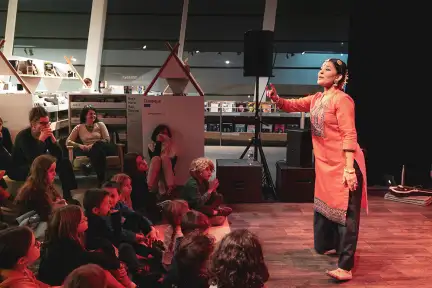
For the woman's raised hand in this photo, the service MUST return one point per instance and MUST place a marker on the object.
(272, 93)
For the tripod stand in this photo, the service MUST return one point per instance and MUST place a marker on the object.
(267, 181)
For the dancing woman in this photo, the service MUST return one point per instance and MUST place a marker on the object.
(340, 184)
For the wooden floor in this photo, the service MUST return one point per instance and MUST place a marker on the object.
(394, 248)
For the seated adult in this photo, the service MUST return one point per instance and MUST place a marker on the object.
(5, 154)
(38, 140)
(38, 193)
(200, 193)
(91, 138)
(5, 139)
(162, 160)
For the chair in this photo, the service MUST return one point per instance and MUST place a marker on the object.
(113, 162)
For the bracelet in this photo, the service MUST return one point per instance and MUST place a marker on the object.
(349, 171)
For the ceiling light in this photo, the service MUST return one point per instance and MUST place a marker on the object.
(341, 54)
(303, 53)
(73, 59)
(144, 47)
(197, 51)
(227, 62)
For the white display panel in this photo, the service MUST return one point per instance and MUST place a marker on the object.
(185, 117)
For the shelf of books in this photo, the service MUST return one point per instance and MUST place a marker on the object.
(233, 123)
(26, 82)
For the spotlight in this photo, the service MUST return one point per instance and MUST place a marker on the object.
(227, 62)
(144, 47)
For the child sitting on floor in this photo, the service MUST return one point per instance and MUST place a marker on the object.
(133, 221)
(104, 223)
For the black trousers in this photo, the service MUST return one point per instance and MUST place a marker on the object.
(330, 235)
(97, 154)
(136, 222)
(63, 168)
(212, 204)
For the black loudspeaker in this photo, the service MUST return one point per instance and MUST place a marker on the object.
(258, 53)
(239, 181)
(294, 184)
(299, 148)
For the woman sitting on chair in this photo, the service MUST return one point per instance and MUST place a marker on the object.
(163, 159)
(94, 142)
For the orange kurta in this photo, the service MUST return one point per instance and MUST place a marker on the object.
(333, 131)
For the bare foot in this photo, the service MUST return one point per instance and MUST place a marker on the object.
(340, 274)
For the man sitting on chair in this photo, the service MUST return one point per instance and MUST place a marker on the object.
(34, 141)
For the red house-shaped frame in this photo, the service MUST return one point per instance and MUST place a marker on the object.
(174, 68)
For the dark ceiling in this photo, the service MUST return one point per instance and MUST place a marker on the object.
(213, 25)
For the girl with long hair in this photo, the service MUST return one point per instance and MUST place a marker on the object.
(135, 166)
(38, 192)
(64, 250)
(125, 188)
(172, 211)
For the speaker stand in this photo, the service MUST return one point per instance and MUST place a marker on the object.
(267, 181)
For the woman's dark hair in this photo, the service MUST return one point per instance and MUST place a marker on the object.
(129, 165)
(84, 111)
(191, 257)
(63, 224)
(86, 276)
(341, 69)
(238, 262)
(36, 183)
(158, 130)
(14, 243)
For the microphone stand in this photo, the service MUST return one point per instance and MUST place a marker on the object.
(267, 181)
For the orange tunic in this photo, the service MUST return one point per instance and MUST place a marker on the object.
(333, 131)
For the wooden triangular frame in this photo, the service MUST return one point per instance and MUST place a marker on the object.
(12, 70)
(189, 75)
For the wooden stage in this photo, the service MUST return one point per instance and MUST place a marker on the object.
(394, 248)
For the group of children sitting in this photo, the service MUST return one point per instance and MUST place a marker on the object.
(109, 243)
